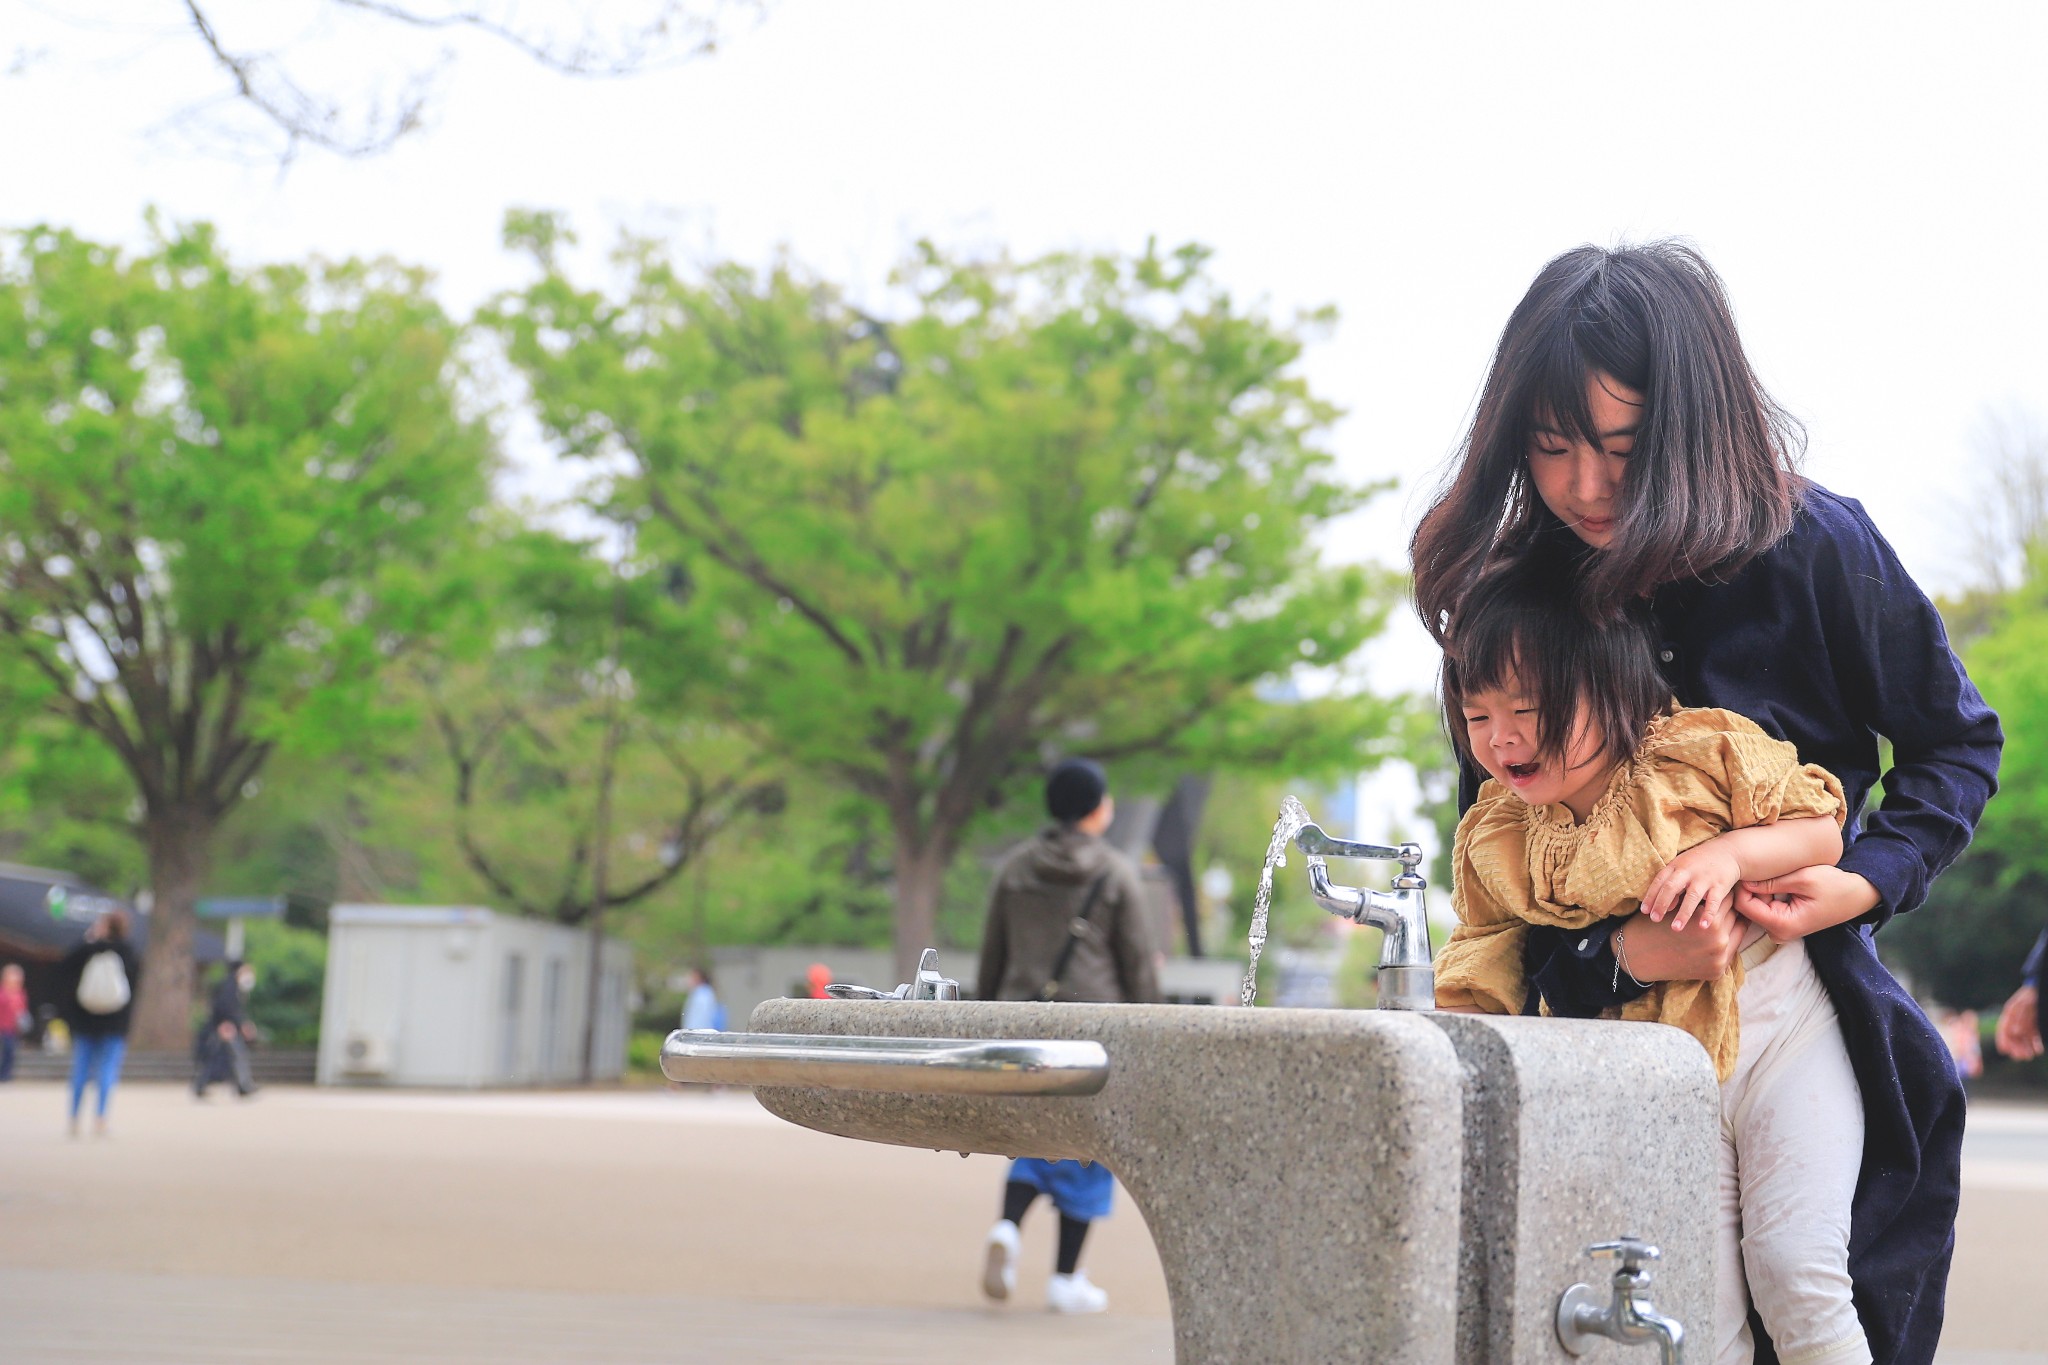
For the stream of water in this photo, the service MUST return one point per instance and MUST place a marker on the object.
(1293, 815)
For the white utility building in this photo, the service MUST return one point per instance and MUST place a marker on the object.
(458, 996)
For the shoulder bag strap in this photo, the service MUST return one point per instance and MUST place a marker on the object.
(1075, 925)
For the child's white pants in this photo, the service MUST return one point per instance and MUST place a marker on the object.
(1791, 1147)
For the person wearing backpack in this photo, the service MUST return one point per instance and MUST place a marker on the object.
(1066, 921)
(101, 975)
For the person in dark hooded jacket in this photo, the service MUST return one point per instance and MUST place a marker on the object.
(1066, 921)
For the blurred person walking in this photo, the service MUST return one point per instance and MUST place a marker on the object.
(701, 1007)
(221, 1051)
(2019, 1023)
(14, 1016)
(99, 977)
(1066, 921)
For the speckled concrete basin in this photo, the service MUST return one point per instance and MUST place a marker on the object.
(1336, 1186)
(1298, 1169)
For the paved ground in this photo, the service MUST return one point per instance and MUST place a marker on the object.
(311, 1226)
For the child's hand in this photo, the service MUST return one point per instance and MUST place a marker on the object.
(1696, 882)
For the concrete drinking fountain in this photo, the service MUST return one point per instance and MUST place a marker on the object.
(1391, 1185)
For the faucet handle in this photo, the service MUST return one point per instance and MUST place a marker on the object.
(839, 990)
(1631, 1252)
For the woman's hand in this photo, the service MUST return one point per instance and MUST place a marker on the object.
(2019, 1025)
(1703, 951)
(1805, 902)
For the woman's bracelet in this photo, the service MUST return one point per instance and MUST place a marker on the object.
(1621, 966)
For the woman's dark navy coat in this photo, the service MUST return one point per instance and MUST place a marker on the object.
(1826, 642)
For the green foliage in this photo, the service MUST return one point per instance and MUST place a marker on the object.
(1965, 945)
(1067, 505)
(643, 1054)
(227, 495)
(291, 971)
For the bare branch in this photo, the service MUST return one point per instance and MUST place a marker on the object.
(366, 125)
(673, 35)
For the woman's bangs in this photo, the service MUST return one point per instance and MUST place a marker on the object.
(1554, 394)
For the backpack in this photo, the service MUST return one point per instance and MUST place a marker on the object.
(103, 985)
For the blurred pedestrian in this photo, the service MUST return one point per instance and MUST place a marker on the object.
(221, 1051)
(1066, 921)
(2019, 1023)
(99, 977)
(701, 1007)
(14, 1016)
(1960, 1030)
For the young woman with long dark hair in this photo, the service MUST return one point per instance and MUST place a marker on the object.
(1624, 449)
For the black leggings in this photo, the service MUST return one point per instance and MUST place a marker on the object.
(1018, 1196)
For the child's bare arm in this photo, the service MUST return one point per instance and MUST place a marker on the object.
(1698, 879)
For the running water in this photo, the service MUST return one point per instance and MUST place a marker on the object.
(1293, 815)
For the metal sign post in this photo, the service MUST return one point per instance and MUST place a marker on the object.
(236, 909)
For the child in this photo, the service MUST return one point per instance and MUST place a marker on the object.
(1576, 826)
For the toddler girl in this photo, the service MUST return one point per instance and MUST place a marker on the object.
(1605, 798)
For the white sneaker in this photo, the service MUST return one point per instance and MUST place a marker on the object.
(1074, 1294)
(999, 1265)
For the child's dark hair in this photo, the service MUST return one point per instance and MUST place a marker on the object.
(1519, 622)
(1710, 481)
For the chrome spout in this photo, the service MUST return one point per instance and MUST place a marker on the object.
(1407, 981)
(1625, 1317)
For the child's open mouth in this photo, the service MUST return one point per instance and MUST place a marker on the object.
(1519, 773)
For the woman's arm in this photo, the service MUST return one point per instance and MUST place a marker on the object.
(1899, 676)
(1700, 880)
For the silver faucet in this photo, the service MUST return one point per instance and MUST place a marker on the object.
(1625, 1317)
(927, 985)
(1406, 979)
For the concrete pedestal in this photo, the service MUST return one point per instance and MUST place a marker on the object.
(1579, 1132)
(1297, 1168)
(1335, 1186)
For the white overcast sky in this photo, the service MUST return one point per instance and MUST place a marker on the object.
(1868, 178)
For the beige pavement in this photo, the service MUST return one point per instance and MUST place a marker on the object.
(312, 1226)
(626, 1226)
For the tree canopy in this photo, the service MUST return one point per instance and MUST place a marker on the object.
(223, 497)
(1061, 506)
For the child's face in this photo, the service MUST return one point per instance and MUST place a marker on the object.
(1500, 725)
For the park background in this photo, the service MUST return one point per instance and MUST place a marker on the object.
(1064, 377)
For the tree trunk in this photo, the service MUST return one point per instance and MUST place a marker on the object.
(180, 847)
(920, 876)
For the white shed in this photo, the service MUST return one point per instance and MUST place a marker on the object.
(458, 996)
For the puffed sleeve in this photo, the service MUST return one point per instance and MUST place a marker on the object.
(1730, 760)
(1480, 966)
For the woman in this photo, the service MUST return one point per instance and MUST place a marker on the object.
(100, 975)
(1623, 445)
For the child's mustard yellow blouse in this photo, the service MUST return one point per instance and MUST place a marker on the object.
(1696, 774)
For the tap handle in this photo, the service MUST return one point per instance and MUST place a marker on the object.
(840, 991)
(1317, 844)
(1630, 1251)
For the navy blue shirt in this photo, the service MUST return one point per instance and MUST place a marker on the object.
(1825, 641)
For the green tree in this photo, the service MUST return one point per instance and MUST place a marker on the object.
(1068, 505)
(1964, 947)
(222, 496)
